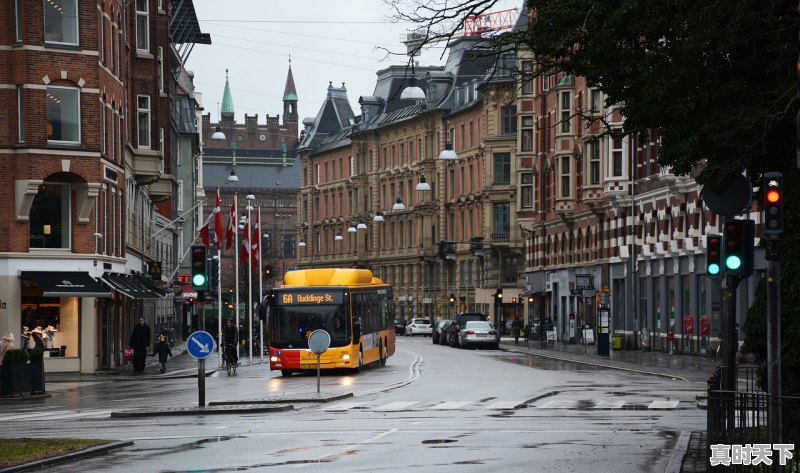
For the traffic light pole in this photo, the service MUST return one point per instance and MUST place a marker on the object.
(774, 341)
(201, 362)
(730, 355)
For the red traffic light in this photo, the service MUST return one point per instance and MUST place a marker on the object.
(773, 196)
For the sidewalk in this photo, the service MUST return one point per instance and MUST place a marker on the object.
(691, 455)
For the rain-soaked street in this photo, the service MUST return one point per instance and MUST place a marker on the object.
(432, 408)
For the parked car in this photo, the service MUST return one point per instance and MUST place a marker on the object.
(461, 319)
(399, 326)
(419, 327)
(440, 331)
(478, 333)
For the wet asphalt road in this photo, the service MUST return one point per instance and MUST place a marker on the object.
(431, 408)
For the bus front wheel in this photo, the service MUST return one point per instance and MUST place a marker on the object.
(357, 369)
(383, 354)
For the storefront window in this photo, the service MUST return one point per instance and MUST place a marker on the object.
(50, 323)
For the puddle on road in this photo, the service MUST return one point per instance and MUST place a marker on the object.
(436, 441)
(532, 362)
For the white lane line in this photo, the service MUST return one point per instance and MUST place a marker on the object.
(395, 406)
(450, 405)
(505, 405)
(559, 404)
(345, 406)
(609, 404)
(661, 404)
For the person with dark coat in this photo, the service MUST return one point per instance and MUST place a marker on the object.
(516, 328)
(163, 351)
(230, 341)
(140, 341)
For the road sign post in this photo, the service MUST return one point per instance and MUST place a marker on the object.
(200, 345)
(318, 342)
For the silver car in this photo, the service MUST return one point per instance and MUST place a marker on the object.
(419, 327)
(479, 333)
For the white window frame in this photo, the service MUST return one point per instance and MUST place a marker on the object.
(594, 161)
(526, 199)
(143, 139)
(565, 177)
(51, 88)
(60, 3)
(20, 114)
(617, 156)
(161, 69)
(142, 25)
(565, 112)
(18, 21)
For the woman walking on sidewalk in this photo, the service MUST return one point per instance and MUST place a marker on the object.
(139, 341)
(163, 351)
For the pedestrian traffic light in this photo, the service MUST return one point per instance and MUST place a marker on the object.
(714, 256)
(773, 204)
(199, 273)
(738, 252)
(452, 299)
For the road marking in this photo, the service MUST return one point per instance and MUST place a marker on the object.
(345, 406)
(504, 405)
(559, 404)
(662, 404)
(609, 404)
(450, 405)
(395, 406)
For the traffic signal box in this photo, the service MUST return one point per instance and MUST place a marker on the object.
(773, 204)
(452, 299)
(498, 296)
(738, 248)
(714, 256)
(199, 272)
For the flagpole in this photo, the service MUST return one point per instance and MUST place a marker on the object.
(249, 230)
(219, 300)
(260, 287)
(236, 262)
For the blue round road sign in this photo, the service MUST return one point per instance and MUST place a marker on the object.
(200, 345)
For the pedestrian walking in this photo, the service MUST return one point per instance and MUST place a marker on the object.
(139, 341)
(163, 351)
(516, 328)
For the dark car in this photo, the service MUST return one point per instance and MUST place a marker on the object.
(399, 326)
(459, 323)
(440, 331)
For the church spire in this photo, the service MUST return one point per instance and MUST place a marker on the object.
(226, 110)
(289, 97)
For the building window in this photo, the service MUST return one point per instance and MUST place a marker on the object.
(20, 114)
(161, 69)
(61, 21)
(566, 111)
(594, 162)
(49, 217)
(143, 113)
(526, 190)
(501, 218)
(527, 134)
(502, 168)
(616, 156)
(18, 22)
(597, 101)
(527, 77)
(565, 177)
(142, 25)
(545, 82)
(508, 119)
(63, 114)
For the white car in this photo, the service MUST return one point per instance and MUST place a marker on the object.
(419, 327)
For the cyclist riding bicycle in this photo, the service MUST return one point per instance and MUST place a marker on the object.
(230, 340)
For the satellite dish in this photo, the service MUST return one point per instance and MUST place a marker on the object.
(733, 200)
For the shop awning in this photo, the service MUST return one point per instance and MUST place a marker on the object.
(66, 283)
(129, 285)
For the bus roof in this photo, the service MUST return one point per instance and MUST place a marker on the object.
(330, 277)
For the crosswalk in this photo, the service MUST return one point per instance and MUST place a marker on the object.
(51, 414)
(569, 404)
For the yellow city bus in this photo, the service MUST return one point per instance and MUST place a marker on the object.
(355, 308)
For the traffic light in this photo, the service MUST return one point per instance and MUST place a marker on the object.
(267, 272)
(773, 204)
(452, 299)
(714, 256)
(498, 296)
(199, 273)
(738, 253)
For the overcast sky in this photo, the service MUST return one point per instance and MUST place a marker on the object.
(328, 41)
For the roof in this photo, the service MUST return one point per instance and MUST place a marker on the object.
(334, 115)
(183, 26)
(227, 99)
(289, 92)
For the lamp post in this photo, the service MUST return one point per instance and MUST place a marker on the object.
(376, 220)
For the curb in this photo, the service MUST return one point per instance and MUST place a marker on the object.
(675, 463)
(191, 411)
(68, 457)
(284, 399)
(24, 398)
(600, 365)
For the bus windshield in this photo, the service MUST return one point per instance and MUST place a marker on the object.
(291, 325)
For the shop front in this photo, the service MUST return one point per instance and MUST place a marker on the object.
(58, 313)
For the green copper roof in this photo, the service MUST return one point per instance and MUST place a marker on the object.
(227, 100)
(289, 92)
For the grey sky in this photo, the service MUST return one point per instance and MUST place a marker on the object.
(328, 41)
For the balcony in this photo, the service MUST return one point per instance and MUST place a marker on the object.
(162, 189)
(146, 164)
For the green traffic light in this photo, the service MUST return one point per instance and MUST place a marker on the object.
(713, 269)
(199, 280)
(733, 262)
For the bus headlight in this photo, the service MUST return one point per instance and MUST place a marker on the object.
(274, 359)
(346, 357)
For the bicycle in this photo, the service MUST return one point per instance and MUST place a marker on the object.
(229, 358)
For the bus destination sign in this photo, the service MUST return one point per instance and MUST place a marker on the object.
(309, 297)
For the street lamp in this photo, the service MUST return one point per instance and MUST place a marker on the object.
(423, 186)
(218, 135)
(412, 91)
(398, 205)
